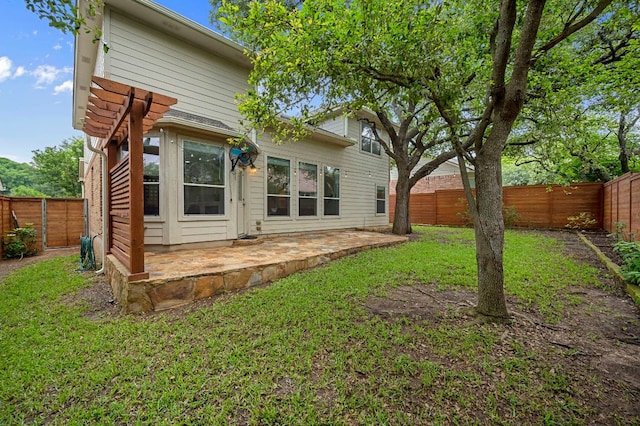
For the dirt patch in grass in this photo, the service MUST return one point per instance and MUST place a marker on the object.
(596, 345)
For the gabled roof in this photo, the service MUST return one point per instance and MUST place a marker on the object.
(154, 15)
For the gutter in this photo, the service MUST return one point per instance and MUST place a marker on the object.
(103, 168)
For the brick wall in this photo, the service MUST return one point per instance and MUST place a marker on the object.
(431, 184)
(92, 191)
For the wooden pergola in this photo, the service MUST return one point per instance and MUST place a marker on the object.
(117, 113)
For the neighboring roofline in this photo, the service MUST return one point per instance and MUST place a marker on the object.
(158, 16)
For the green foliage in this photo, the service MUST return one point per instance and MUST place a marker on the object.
(582, 221)
(580, 122)
(20, 242)
(621, 235)
(15, 174)
(58, 168)
(630, 252)
(25, 191)
(65, 16)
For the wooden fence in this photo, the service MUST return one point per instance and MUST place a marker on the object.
(622, 203)
(59, 222)
(538, 206)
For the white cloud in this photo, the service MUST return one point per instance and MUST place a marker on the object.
(67, 86)
(57, 47)
(7, 71)
(48, 74)
(5, 68)
(20, 71)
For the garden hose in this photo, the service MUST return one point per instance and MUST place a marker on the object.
(87, 259)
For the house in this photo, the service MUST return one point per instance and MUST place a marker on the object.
(446, 176)
(198, 189)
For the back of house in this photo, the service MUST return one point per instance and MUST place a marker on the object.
(200, 190)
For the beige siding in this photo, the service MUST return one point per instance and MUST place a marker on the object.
(203, 83)
(357, 197)
(335, 125)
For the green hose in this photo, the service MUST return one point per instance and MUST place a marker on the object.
(87, 259)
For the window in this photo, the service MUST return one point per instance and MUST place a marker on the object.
(278, 192)
(204, 179)
(151, 170)
(380, 199)
(307, 189)
(368, 140)
(331, 191)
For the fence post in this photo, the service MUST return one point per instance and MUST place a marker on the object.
(44, 224)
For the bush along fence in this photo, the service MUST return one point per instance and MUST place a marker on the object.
(54, 222)
(538, 206)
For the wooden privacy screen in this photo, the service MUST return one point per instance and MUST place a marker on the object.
(117, 113)
(538, 206)
(622, 203)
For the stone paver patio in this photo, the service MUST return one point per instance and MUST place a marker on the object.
(180, 277)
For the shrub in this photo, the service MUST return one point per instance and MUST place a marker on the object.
(20, 242)
(582, 221)
(630, 252)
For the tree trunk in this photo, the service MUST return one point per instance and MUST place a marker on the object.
(622, 144)
(489, 226)
(402, 220)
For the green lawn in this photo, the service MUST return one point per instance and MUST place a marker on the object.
(303, 350)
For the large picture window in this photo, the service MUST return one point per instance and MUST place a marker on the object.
(307, 189)
(331, 191)
(278, 186)
(368, 140)
(204, 179)
(380, 199)
(151, 168)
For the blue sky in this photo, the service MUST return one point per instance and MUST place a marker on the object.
(36, 74)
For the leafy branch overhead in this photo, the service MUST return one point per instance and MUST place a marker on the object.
(67, 17)
(459, 71)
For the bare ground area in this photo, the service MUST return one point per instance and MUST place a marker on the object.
(599, 337)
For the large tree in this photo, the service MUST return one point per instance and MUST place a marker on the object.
(470, 61)
(57, 168)
(349, 70)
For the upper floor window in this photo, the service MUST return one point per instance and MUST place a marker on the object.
(331, 191)
(307, 189)
(278, 186)
(204, 179)
(368, 142)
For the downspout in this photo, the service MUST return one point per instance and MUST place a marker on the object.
(103, 168)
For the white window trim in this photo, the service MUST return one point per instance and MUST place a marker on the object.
(386, 198)
(373, 140)
(298, 196)
(266, 189)
(332, 216)
(182, 217)
(161, 154)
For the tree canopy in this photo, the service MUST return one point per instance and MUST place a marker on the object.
(57, 168)
(468, 64)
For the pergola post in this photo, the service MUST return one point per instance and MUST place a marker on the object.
(136, 190)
